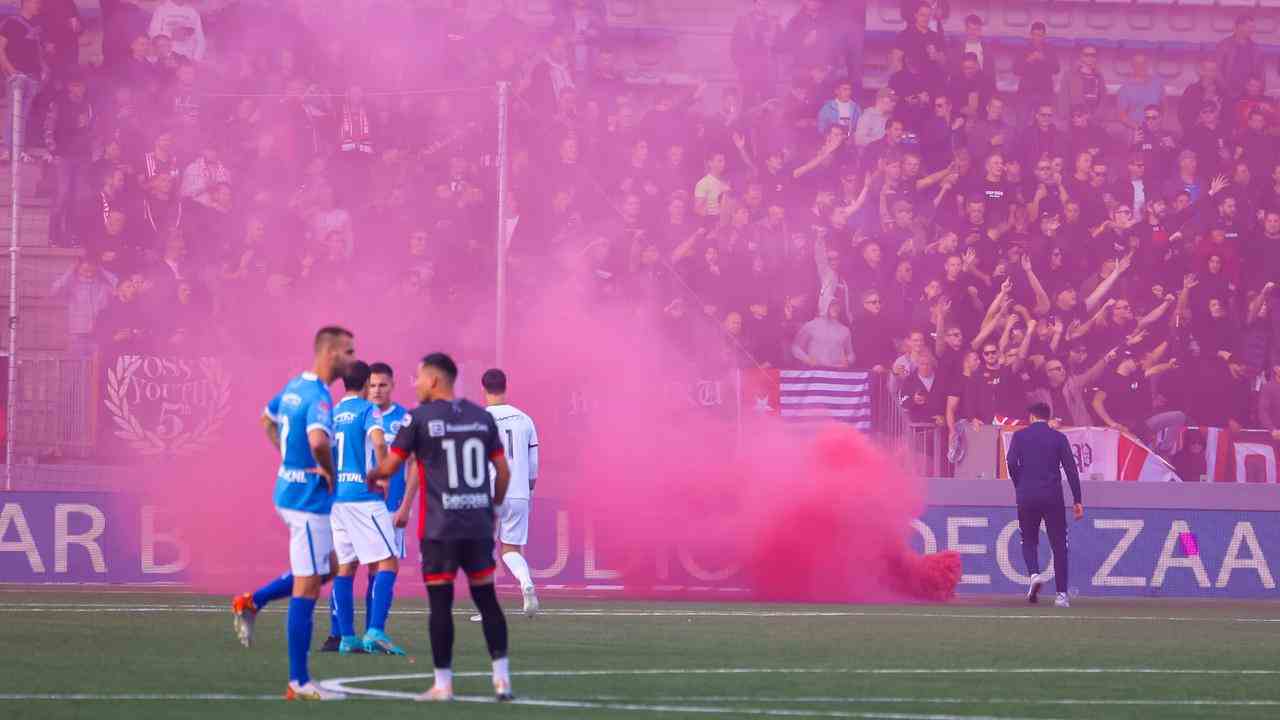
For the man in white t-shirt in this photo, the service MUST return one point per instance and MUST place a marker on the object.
(711, 188)
(840, 110)
(181, 23)
(520, 441)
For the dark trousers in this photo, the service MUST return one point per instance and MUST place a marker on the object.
(69, 178)
(1055, 524)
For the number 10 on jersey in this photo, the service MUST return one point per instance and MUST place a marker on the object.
(475, 471)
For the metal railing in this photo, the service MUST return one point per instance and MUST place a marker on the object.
(55, 407)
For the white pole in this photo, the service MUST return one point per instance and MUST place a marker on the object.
(15, 195)
(504, 89)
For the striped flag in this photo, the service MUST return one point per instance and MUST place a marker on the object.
(818, 395)
(1136, 462)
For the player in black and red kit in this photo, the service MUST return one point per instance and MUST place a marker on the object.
(454, 441)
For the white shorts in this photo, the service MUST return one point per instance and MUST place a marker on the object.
(399, 545)
(513, 519)
(310, 542)
(362, 531)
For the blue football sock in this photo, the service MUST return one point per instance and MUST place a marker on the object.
(334, 628)
(300, 612)
(368, 602)
(384, 584)
(281, 587)
(343, 605)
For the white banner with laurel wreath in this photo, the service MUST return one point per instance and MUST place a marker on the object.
(166, 405)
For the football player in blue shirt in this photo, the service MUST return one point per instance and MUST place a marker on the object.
(299, 423)
(378, 391)
(362, 529)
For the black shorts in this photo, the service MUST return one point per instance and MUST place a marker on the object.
(442, 558)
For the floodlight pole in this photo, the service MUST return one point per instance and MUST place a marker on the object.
(504, 89)
(15, 195)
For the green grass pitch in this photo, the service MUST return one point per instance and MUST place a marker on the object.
(104, 654)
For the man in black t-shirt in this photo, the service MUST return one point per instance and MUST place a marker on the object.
(1124, 401)
(454, 441)
(21, 62)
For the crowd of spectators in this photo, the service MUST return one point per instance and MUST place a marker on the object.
(1113, 253)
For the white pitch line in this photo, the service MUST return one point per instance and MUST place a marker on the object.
(608, 701)
(341, 685)
(839, 671)
(942, 701)
(569, 612)
(92, 696)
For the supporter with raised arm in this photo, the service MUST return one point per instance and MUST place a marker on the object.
(1124, 400)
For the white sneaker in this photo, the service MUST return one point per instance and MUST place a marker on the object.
(1033, 591)
(1062, 601)
(477, 618)
(436, 694)
(310, 691)
(531, 605)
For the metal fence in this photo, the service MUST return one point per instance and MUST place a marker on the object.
(926, 443)
(55, 417)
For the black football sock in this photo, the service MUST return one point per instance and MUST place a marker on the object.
(494, 622)
(441, 625)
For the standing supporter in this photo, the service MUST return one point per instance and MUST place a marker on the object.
(1139, 92)
(1035, 67)
(824, 341)
(1239, 57)
(68, 136)
(1084, 86)
(181, 23)
(755, 34)
(23, 63)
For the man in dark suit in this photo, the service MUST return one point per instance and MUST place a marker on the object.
(1035, 456)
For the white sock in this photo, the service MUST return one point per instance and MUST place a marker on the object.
(444, 678)
(518, 567)
(501, 670)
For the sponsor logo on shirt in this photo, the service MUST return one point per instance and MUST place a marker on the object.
(469, 501)
(435, 428)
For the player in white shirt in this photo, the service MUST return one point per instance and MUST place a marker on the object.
(520, 441)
